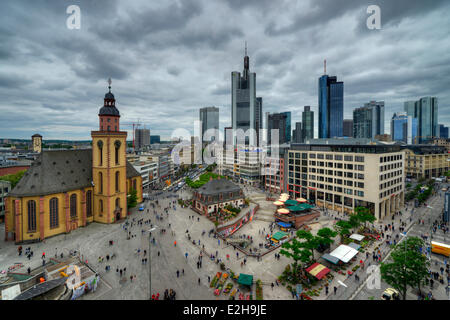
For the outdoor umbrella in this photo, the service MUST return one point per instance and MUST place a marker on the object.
(283, 211)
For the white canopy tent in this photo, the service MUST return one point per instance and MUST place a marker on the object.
(357, 237)
(344, 253)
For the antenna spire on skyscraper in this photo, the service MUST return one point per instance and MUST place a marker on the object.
(245, 47)
(325, 66)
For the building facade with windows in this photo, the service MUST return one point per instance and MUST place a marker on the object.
(307, 123)
(67, 189)
(341, 176)
(426, 161)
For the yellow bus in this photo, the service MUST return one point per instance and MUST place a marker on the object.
(440, 248)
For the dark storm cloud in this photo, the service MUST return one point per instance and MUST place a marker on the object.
(167, 59)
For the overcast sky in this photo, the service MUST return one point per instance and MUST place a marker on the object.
(167, 59)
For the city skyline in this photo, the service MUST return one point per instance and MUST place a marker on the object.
(48, 79)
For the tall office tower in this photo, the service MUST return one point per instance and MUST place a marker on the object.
(443, 131)
(427, 110)
(209, 117)
(307, 123)
(277, 121)
(258, 118)
(297, 133)
(331, 106)
(246, 110)
(410, 108)
(348, 128)
(228, 135)
(378, 116)
(403, 128)
(368, 121)
(142, 138)
(288, 126)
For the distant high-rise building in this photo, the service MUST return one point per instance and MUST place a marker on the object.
(297, 134)
(426, 112)
(288, 126)
(331, 107)
(368, 121)
(348, 128)
(277, 121)
(228, 133)
(246, 109)
(155, 139)
(443, 131)
(410, 108)
(142, 138)
(209, 117)
(403, 128)
(307, 123)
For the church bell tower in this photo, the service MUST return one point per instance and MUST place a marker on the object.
(109, 164)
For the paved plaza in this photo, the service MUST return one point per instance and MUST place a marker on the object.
(92, 242)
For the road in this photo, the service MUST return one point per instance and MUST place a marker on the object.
(429, 215)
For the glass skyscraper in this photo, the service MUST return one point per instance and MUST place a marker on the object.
(426, 112)
(331, 107)
(209, 117)
(307, 123)
(279, 121)
(246, 109)
(368, 121)
(443, 131)
(403, 128)
(288, 125)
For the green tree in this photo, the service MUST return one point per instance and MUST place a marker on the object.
(408, 267)
(13, 178)
(325, 236)
(343, 228)
(296, 251)
(132, 199)
(364, 215)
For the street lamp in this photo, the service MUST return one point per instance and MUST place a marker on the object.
(150, 262)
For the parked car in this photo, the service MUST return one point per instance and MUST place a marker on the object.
(390, 294)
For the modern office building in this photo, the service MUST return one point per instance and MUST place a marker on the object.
(280, 122)
(209, 118)
(368, 121)
(331, 107)
(241, 164)
(425, 161)
(297, 133)
(342, 176)
(307, 123)
(403, 128)
(443, 131)
(426, 112)
(155, 139)
(246, 109)
(228, 135)
(348, 128)
(142, 138)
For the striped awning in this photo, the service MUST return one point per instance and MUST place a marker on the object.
(317, 270)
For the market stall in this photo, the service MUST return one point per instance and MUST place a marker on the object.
(317, 270)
